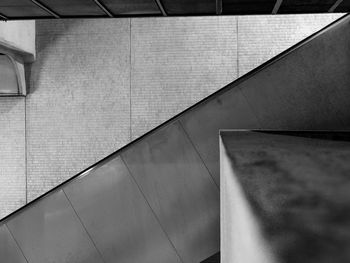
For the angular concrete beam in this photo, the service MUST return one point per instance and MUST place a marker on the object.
(283, 196)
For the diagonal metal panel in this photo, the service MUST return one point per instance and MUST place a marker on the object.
(118, 218)
(296, 92)
(179, 189)
(51, 232)
(9, 251)
(228, 111)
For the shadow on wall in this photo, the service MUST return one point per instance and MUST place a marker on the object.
(11, 102)
(56, 29)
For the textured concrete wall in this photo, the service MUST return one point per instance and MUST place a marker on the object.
(262, 37)
(97, 84)
(176, 62)
(78, 110)
(12, 155)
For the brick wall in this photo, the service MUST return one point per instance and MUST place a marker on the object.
(97, 84)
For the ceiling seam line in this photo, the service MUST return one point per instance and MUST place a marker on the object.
(277, 7)
(334, 6)
(197, 153)
(45, 8)
(218, 7)
(161, 7)
(17, 244)
(103, 8)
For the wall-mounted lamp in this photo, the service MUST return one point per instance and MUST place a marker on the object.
(12, 77)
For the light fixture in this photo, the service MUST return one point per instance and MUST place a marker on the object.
(12, 78)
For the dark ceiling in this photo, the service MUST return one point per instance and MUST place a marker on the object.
(39, 9)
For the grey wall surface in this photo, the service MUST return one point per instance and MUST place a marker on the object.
(97, 84)
(171, 172)
(176, 63)
(261, 38)
(12, 155)
(78, 108)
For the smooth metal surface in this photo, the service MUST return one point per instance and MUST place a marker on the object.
(277, 6)
(179, 189)
(118, 218)
(308, 88)
(334, 6)
(45, 8)
(9, 251)
(51, 232)
(103, 8)
(202, 124)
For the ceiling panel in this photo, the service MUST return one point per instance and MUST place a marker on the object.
(247, 6)
(305, 6)
(179, 189)
(26, 9)
(74, 7)
(189, 7)
(21, 8)
(132, 7)
(344, 6)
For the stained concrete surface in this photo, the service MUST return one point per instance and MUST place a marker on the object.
(298, 189)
